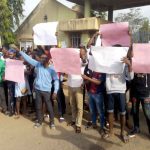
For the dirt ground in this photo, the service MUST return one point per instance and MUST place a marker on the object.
(20, 135)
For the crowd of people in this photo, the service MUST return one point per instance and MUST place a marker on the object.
(107, 96)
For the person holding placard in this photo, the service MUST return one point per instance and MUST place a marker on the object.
(116, 88)
(75, 83)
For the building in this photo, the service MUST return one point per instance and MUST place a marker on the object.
(108, 5)
(73, 29)
(76, 25)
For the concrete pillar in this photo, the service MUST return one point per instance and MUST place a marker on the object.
(110, 14)
(87, 8)
(85, 38)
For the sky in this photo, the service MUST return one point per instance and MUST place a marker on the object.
(31, 4)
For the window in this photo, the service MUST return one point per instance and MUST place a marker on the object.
(26, 44)
(75, 40)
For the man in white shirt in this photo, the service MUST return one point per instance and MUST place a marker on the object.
(75, 94)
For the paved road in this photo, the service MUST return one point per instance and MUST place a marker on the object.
(20, 135)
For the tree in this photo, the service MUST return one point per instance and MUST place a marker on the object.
(99, 14)
(10, 15)
(134, 17)
(146, 26)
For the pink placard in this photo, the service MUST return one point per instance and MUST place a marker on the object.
(141, 61)
(115, 33)
(14, 71)
(66, 60)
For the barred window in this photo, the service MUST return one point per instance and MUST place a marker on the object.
(75, 40)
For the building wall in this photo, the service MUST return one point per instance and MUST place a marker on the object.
(69, 24)
(54, 11)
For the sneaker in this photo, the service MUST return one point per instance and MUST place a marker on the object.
(46, 116)
(6, 113)
(11, 114)
(134, 132)
(37, 125)
(61, 119)
(94, 125)
(52, 126)
(103, 133)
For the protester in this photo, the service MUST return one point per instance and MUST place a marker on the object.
(22, 90)
(94, 41)
(44, 76)
(140, 93)
(75, 91)
(42, 79)
(96, 89)
(11, 85)
(116, 88)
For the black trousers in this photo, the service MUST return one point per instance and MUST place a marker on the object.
(2, 99)
(38, 105)
(135, 111)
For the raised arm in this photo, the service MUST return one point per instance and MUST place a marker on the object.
(128, 69)
(92, 39)
(27, 58)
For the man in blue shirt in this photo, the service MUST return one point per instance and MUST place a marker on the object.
(42, 84)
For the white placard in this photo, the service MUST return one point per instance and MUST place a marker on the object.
(107, 59)
(45, 33)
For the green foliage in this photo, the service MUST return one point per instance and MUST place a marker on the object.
(145, 26)
(99, 14)
(10, 14)
(134, 17)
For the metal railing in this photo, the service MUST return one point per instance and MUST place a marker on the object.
(141, 37)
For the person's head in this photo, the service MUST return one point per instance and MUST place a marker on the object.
(47, 47)
(44, 60)
(40, 47)
(83, 55)
(5, 51)
(11, 53)
(18, 56)
(83, 52)
(28, 51)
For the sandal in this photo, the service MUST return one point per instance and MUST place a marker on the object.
(78, 129)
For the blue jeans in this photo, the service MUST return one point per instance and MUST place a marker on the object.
(96, 104)
(120, 100)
